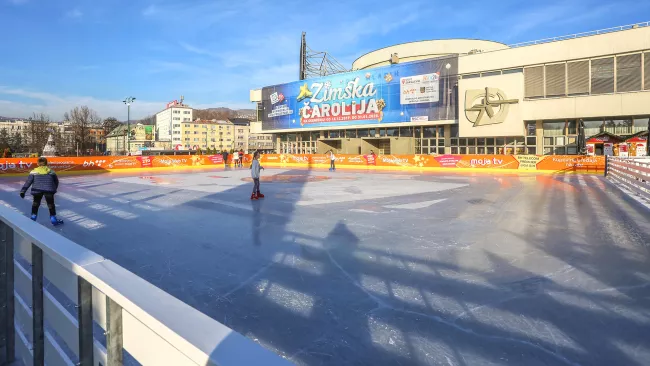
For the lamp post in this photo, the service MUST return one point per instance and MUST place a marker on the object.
(448, 66)
(128, 102)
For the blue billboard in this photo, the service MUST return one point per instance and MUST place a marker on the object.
(411, 92)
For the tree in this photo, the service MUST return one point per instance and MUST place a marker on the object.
(16, 142)
(82, 120)
(148, 120)
(110, 124)
(5, 139)
(38, 132)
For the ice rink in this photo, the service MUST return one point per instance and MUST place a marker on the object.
(360, 268)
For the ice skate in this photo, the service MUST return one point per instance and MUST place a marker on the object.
(259, 195)
(254, 196)
(55, 221)
(34, 217)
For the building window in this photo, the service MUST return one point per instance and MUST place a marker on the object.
(560, 137)
(187, 126)
(177, 125)
(628, 73)
(602, 75)
(186, 112)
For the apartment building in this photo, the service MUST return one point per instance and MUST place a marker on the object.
(170, 119)
(204, 134)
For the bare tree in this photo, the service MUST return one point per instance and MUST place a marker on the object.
(37, 132)
(82, 120)
(110, 124)
(148, 120)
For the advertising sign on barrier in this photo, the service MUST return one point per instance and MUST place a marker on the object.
(553, 163)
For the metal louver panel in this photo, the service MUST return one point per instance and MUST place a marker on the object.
(646, 70)
(628, 73)
(578, 77)
(555, 80)
(534, 82)
(602, 75)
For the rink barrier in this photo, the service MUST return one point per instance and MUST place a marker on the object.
(500, 163)
(52, 292)
(632, 173)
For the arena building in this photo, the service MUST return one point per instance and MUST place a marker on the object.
(457, 96)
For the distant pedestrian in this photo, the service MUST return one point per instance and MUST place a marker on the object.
(235, 158)
(241, 158)
(332, 161)
(224, 154)
(44, 183)
(255, 174)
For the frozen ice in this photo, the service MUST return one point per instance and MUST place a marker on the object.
(355, 267)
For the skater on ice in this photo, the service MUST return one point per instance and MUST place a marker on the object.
(255, 174)
(44, 183)
(332, 161)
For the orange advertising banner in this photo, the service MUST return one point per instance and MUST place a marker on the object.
(554, 163)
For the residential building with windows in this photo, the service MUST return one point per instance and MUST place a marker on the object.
(204, 134)
(461, 96)
(170, 119)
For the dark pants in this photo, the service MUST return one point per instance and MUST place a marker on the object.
(332, 165)
(49, 198)
(256, 185)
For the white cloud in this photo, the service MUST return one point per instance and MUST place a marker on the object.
(56, 106)
(150, 10)
(74, 13)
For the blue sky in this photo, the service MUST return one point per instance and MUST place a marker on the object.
(64, 53)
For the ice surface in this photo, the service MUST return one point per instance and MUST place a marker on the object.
(381, 268)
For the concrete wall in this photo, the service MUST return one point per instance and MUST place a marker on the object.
(351, 146)
(572, 49)
(402, 146)
(608, 105)
(414, 51)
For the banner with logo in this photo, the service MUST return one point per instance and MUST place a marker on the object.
(523, 163)
(411, 92)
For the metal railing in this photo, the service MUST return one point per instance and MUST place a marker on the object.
(632, 173)
(583, 34)
(53, 292)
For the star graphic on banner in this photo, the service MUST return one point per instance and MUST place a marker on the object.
(304, 92)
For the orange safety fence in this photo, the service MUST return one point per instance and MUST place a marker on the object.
(530, 163)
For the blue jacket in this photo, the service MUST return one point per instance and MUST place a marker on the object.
(42, 180)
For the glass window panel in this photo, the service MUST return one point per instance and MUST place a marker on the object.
(454, 142)
(463, 142)
(382, 132)
(454, 150)
(441, 142)
(472, 150)
(571, 127)
(480, 142)
(519, 140)
(531, 141)
(548, 151)
(509, 140)
(334, 134)
(548, 141)
(406, 132)
(572, 150)
(418, 132)
(481, 149)
(429, 132)
(351, 134)
(593, 127)
(531, 128)
(554, 128)
(572, 140)
(531, 150)
(500, 141)
(441, 150)
(559, 141)
(363, 133)
(441, 131)
(471, 142)
(392, 132)
(490, 150)
(489, 141)
(471, 76)
(454, 130)
(641, 124)
(560, 150)
(425, 142)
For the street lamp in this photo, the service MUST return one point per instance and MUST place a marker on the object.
(128, 102)
(448, 66)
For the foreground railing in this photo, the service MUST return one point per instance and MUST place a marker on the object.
(633, 173)
(53, 292)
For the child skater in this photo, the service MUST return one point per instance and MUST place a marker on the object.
(44, 183)
(255, 174)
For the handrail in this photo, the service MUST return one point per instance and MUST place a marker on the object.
(582, 34)
(153, 326)
(632, 175)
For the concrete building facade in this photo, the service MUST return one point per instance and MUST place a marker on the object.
(531, 98)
